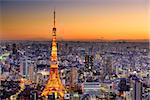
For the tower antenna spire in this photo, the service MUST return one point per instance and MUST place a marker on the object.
(54, 18)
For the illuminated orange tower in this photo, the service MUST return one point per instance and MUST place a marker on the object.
(54, 84)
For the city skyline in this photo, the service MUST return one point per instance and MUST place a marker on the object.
(76, 20)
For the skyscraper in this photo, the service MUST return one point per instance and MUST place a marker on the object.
(73, 77)
(88, 62)
(107, 69)
(24, 68)
(31, 72)
(137, 90)
(14, 49)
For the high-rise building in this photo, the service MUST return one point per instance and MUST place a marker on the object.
(31, 72)
(73, 77)
(88, 62)
(14, 49)
(21, 69)
(137, 90)
(25, 68)
(54, 85)
(107, 69)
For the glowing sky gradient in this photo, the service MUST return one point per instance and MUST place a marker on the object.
(75, 19)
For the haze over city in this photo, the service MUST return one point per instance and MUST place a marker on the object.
(76, 19)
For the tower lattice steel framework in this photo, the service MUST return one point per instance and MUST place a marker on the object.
(54, 84)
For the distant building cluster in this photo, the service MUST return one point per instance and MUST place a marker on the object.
(88, 70)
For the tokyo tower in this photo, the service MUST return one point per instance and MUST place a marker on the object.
(54, 84)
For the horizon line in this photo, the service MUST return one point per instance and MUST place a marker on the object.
(122, 40)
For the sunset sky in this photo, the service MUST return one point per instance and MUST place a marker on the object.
(75, 19)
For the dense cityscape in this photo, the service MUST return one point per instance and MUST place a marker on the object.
(88, 70)
(79, 65)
